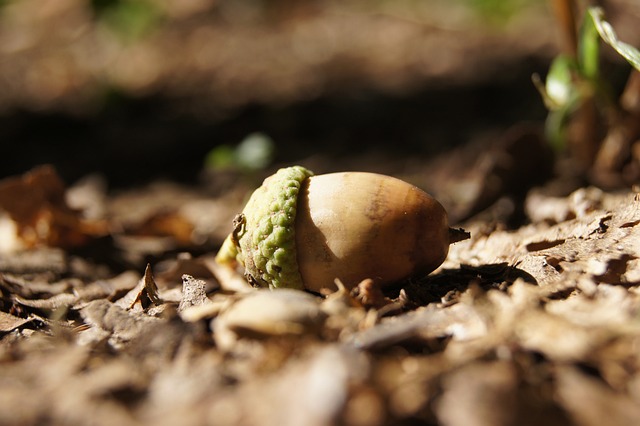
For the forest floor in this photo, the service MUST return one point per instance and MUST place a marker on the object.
(113, 310)
(538, 324)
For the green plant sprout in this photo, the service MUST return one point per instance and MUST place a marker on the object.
(630, 53)
(130, 20)
(574, 80)
(254, 152)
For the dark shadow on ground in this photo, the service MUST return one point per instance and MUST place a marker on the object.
(447, 285)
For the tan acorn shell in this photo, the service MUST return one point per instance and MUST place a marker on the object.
(357, 225)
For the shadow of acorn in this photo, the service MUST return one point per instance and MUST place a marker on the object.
(447, 285)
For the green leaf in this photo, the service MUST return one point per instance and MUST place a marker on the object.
(555, 127)
(562, 94)
(559, 88)
(220, 157)
(607, 33)
(254, 152)
(129, 19)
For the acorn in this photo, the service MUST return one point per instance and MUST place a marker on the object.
(304, 231)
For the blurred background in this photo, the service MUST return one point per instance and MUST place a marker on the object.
(139, 90)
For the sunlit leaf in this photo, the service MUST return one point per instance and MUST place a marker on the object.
(255, 152)
(558, 89)
(607, 33)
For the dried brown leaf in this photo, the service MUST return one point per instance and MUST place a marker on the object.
(312, 390)
(36, 203)
(116, 323)
(10, 322)
(263, 313)
(58, 301)
(166, 224)
(429, 322)
(150, 287)
(481, 394)
(41, 260)
(143, 295)
(193, 292)
(590, 402)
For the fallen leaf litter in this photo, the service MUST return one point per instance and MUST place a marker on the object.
(539, 324)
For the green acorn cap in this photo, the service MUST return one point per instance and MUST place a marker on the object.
(263, 239)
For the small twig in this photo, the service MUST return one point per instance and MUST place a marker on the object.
(565, 12)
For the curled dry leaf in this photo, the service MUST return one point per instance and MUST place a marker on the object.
(228, 277)
(143, 295)
(36, 205)
(264, 313)
(10, 322)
